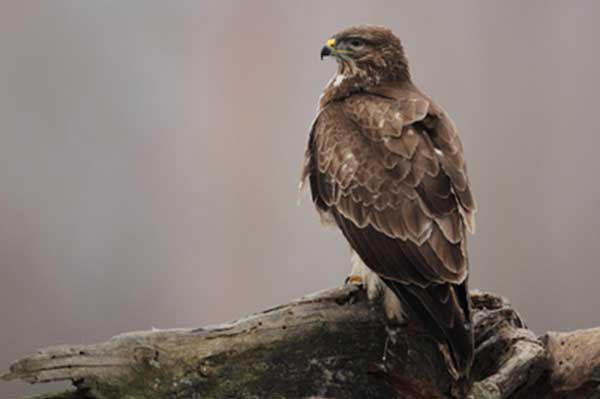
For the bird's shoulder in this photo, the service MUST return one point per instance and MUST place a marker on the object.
(383, 110)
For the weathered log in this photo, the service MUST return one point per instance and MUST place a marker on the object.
(326, 345)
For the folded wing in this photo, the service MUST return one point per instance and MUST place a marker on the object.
(391, 174)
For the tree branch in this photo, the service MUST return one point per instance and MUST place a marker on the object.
(325, 345)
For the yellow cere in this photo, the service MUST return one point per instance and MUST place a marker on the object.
(331, 43)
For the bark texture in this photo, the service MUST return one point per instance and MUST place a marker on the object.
(330, 344)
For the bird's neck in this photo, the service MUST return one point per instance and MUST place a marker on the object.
(342, 85)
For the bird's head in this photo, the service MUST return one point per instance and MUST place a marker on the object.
(369, 53)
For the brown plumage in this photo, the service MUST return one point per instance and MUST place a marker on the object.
(385, 164)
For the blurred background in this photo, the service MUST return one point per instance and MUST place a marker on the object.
(150, 152)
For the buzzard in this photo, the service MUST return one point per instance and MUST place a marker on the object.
(385, 165)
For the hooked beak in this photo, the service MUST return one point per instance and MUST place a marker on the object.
(328, 49)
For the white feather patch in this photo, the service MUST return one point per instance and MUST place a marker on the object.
(338, 80)
(376, 289)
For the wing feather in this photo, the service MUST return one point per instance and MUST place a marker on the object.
(409, 194)
(391, 174)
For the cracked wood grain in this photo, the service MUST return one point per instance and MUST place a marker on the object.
(326, 345)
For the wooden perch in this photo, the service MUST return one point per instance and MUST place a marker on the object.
(326, 345)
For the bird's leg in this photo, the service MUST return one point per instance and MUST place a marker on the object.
(358, 273)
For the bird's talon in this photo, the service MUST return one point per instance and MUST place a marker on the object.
(354, 280)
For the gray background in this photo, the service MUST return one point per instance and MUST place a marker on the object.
(150, 150)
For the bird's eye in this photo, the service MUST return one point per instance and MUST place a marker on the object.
(356, 42)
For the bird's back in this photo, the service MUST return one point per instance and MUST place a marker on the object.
(387, 168)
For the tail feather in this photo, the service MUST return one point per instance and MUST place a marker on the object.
(445, 312)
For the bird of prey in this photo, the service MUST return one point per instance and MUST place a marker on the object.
(385, 165)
